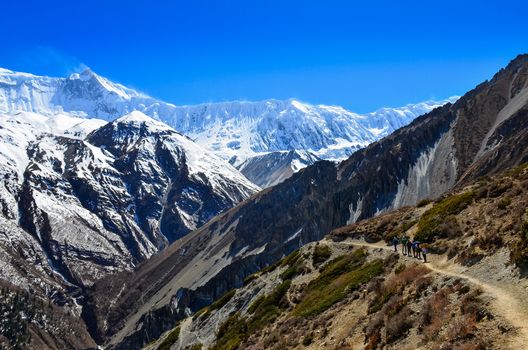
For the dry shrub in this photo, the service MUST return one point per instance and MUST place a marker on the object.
(482, 192)
(422, 283)
(504, 203)
(423, 202)
(375, 285)
(462, 328)
(372, 331)
(433, 329)
(450, 228)
(384, 224)
(344, 346)
(399, 268)
(497, 189)
(269, 340)
(292, 339)
(398, 325)
(393, 306)
(390, 261)
(319, 321)
(394, 285)
(434, 312)
(453, 250)
(439, 300)
(426, 317)
(373, 341)
(401, 280)
(471, 305)
(469, 257)
(308, 339)
(489, 241)
(281, 345)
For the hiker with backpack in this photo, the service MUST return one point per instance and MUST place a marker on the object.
(424, 252)
(418, 250)
(409, 247)
(395, 242)
(404, 244)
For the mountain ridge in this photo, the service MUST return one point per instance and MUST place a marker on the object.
(233, 130)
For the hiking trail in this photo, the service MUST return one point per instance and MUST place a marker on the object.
(508, 303)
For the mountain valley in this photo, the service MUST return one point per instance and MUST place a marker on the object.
(131, 223)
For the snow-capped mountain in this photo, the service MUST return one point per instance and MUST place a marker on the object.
(177, 185)
(85, 94)
(239, 130)
(235, 131)
(99, 203)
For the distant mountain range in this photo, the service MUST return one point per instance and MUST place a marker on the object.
(235, 131)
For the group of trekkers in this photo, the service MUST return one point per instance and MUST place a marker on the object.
(410, 247)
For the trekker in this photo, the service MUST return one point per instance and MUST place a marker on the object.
(395, 242)
(424, 253)
(418, 250)
(404, 245)
(409, 247)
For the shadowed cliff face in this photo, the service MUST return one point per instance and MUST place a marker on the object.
(473, 137)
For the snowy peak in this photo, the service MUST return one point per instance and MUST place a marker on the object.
(90, 77)
(137, 132)
(386, 120)
(85, 75)
(15, 75)
(178, 184)
(85, 94)
(137, 118)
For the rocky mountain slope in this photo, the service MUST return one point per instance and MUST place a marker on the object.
(270, 169)
(113, 198)
(82, 198)
(346, 293)
(235, 131)
(425, 159)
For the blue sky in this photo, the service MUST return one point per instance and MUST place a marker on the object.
(359, 54)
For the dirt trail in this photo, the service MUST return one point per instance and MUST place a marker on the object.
(509, 304)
